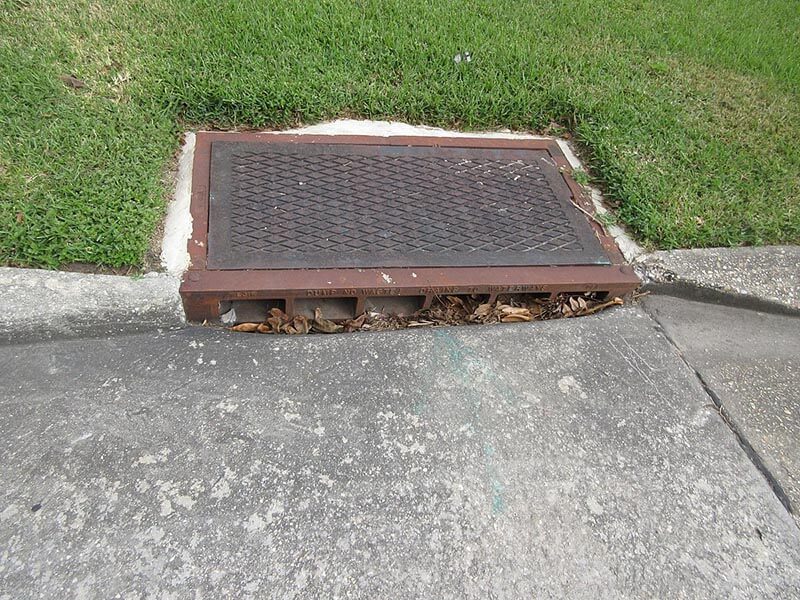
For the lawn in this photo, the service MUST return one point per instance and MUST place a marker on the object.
(688, 112)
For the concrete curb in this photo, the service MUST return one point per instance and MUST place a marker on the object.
(40, 305)
(766, 279)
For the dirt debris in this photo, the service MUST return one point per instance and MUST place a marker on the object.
(447, 310)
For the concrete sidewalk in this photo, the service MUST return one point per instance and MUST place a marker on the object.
(750, 363)
(577, 459)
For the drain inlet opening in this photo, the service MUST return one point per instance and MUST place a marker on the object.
(233, 312)
(335, 309)
(401, 306)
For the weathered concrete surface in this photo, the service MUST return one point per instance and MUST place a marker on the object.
(573, 459)
(37, 304)
(766, 278)
(178, 221)
(751, 363)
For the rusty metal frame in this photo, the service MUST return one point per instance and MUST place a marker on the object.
(203, 289)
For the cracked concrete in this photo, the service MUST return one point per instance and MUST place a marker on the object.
(576, 458)
(750, 362)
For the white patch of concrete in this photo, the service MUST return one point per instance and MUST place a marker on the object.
(255, 523)
(222, 488)
(178, 224)
(227, 406)
(594, 506)
(392, 128)
(185, 501)
(568, 384)
(275, 508)
(8, 512)
(415, 448)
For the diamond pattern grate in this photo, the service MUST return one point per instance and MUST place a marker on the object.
(316, 206)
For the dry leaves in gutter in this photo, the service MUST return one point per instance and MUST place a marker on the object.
(449, 310)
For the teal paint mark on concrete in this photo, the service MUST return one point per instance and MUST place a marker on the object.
(498, 501)
(471, 372)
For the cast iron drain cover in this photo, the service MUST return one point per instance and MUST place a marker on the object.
(279, 218)
(285, 206)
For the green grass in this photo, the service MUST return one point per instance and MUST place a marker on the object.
(689, 112)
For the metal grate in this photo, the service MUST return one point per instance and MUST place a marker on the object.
(284, 205)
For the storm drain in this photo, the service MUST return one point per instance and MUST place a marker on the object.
(354, 223)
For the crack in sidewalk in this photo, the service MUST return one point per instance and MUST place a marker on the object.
(719, 407)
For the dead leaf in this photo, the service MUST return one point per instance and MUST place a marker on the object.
(457, 301)
(514, 310)
(483, 310)
(72, 81)
(323, 325)
(20, 218)
(301, 324)
(278, 314)
(597, 308)
(245, 327)
(355, 324)
(515, 318)
(420, 323)
(275, 323)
